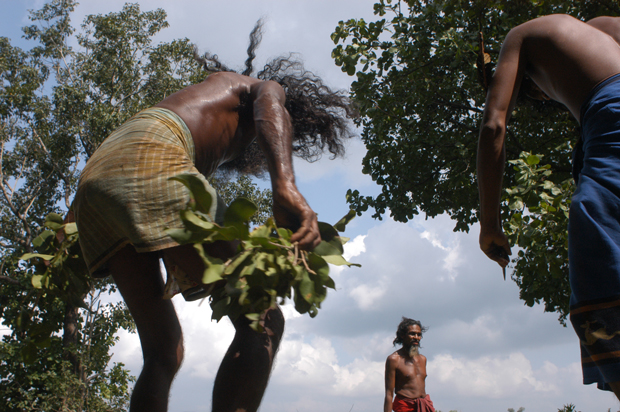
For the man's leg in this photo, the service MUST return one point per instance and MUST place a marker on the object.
(138, 278)
(243, 375)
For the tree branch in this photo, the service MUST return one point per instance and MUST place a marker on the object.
(9, 280)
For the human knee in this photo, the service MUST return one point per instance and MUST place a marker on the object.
(167, 357)
(274, 323)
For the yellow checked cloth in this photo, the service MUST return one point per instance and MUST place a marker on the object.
(124, 195)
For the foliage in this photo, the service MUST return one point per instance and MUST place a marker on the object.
(568, 408)
(267, 265)
(539, 214)
(57, 104)
(243, 186)
(422, 70)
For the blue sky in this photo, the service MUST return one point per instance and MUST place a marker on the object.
(486, 351)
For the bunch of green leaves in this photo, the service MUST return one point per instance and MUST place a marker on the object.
(59, 267)
(538, 227)
(267, 265)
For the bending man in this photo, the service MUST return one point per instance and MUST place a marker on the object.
(125, 201)
(577, 65)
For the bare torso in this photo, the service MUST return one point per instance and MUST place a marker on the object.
(565, 57)
(410, 374)
(219, 115)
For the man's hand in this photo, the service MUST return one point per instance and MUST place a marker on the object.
(293, 212)
(495, 245)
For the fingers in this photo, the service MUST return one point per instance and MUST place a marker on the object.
(307, 235)
(499, 255)
(292, 211)
(496, 247)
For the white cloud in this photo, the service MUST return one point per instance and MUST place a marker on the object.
(452, 259)
(489, 377)
(354, 247)
(366, 295)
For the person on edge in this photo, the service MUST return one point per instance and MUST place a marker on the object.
(578, 65)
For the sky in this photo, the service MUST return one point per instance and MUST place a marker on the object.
(486, 351)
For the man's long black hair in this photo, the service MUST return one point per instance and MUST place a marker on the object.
(319, 114)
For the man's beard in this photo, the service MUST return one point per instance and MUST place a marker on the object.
(413, 350)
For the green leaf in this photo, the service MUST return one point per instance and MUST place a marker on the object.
(55, 218)
(533, 160)
(325, 249)
(198, 191)
(319, 265)
(194, 223)
(28, 256)
(45, 236)
(40, 281)
(339, 261)
(306, 288)
(253, 316)
(342, 223)
(184, 236)
(220, 308)
(70, 229)
(239, 211)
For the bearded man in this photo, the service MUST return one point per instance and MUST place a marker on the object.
(125, 201)
(405, 372)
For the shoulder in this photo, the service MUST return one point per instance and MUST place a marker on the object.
(267, 88)
(545, 27)
(393, 359)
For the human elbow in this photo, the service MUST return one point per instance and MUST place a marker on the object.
(491, 129)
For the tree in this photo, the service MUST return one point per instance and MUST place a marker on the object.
(422, 70)
(57, 104)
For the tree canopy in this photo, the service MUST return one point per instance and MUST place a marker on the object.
(57, 104)
(421, 71)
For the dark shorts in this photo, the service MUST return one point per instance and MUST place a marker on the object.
(594, 238)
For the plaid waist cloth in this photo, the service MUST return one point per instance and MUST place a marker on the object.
(124, 195)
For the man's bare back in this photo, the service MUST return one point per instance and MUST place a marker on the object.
(218, 113)
(224, 114)
(564, 56)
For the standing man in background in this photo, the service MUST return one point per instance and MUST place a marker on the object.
(405, 372)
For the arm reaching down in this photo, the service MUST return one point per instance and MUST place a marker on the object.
(390, 383)
(492, 150)
(275, 134)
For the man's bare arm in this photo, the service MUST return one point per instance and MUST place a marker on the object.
(491, 147)
(275, 133)
(390, 383)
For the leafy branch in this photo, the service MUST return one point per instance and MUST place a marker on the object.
(267, 265)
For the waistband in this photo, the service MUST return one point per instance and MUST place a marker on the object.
(173, 122)
(596, 89)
